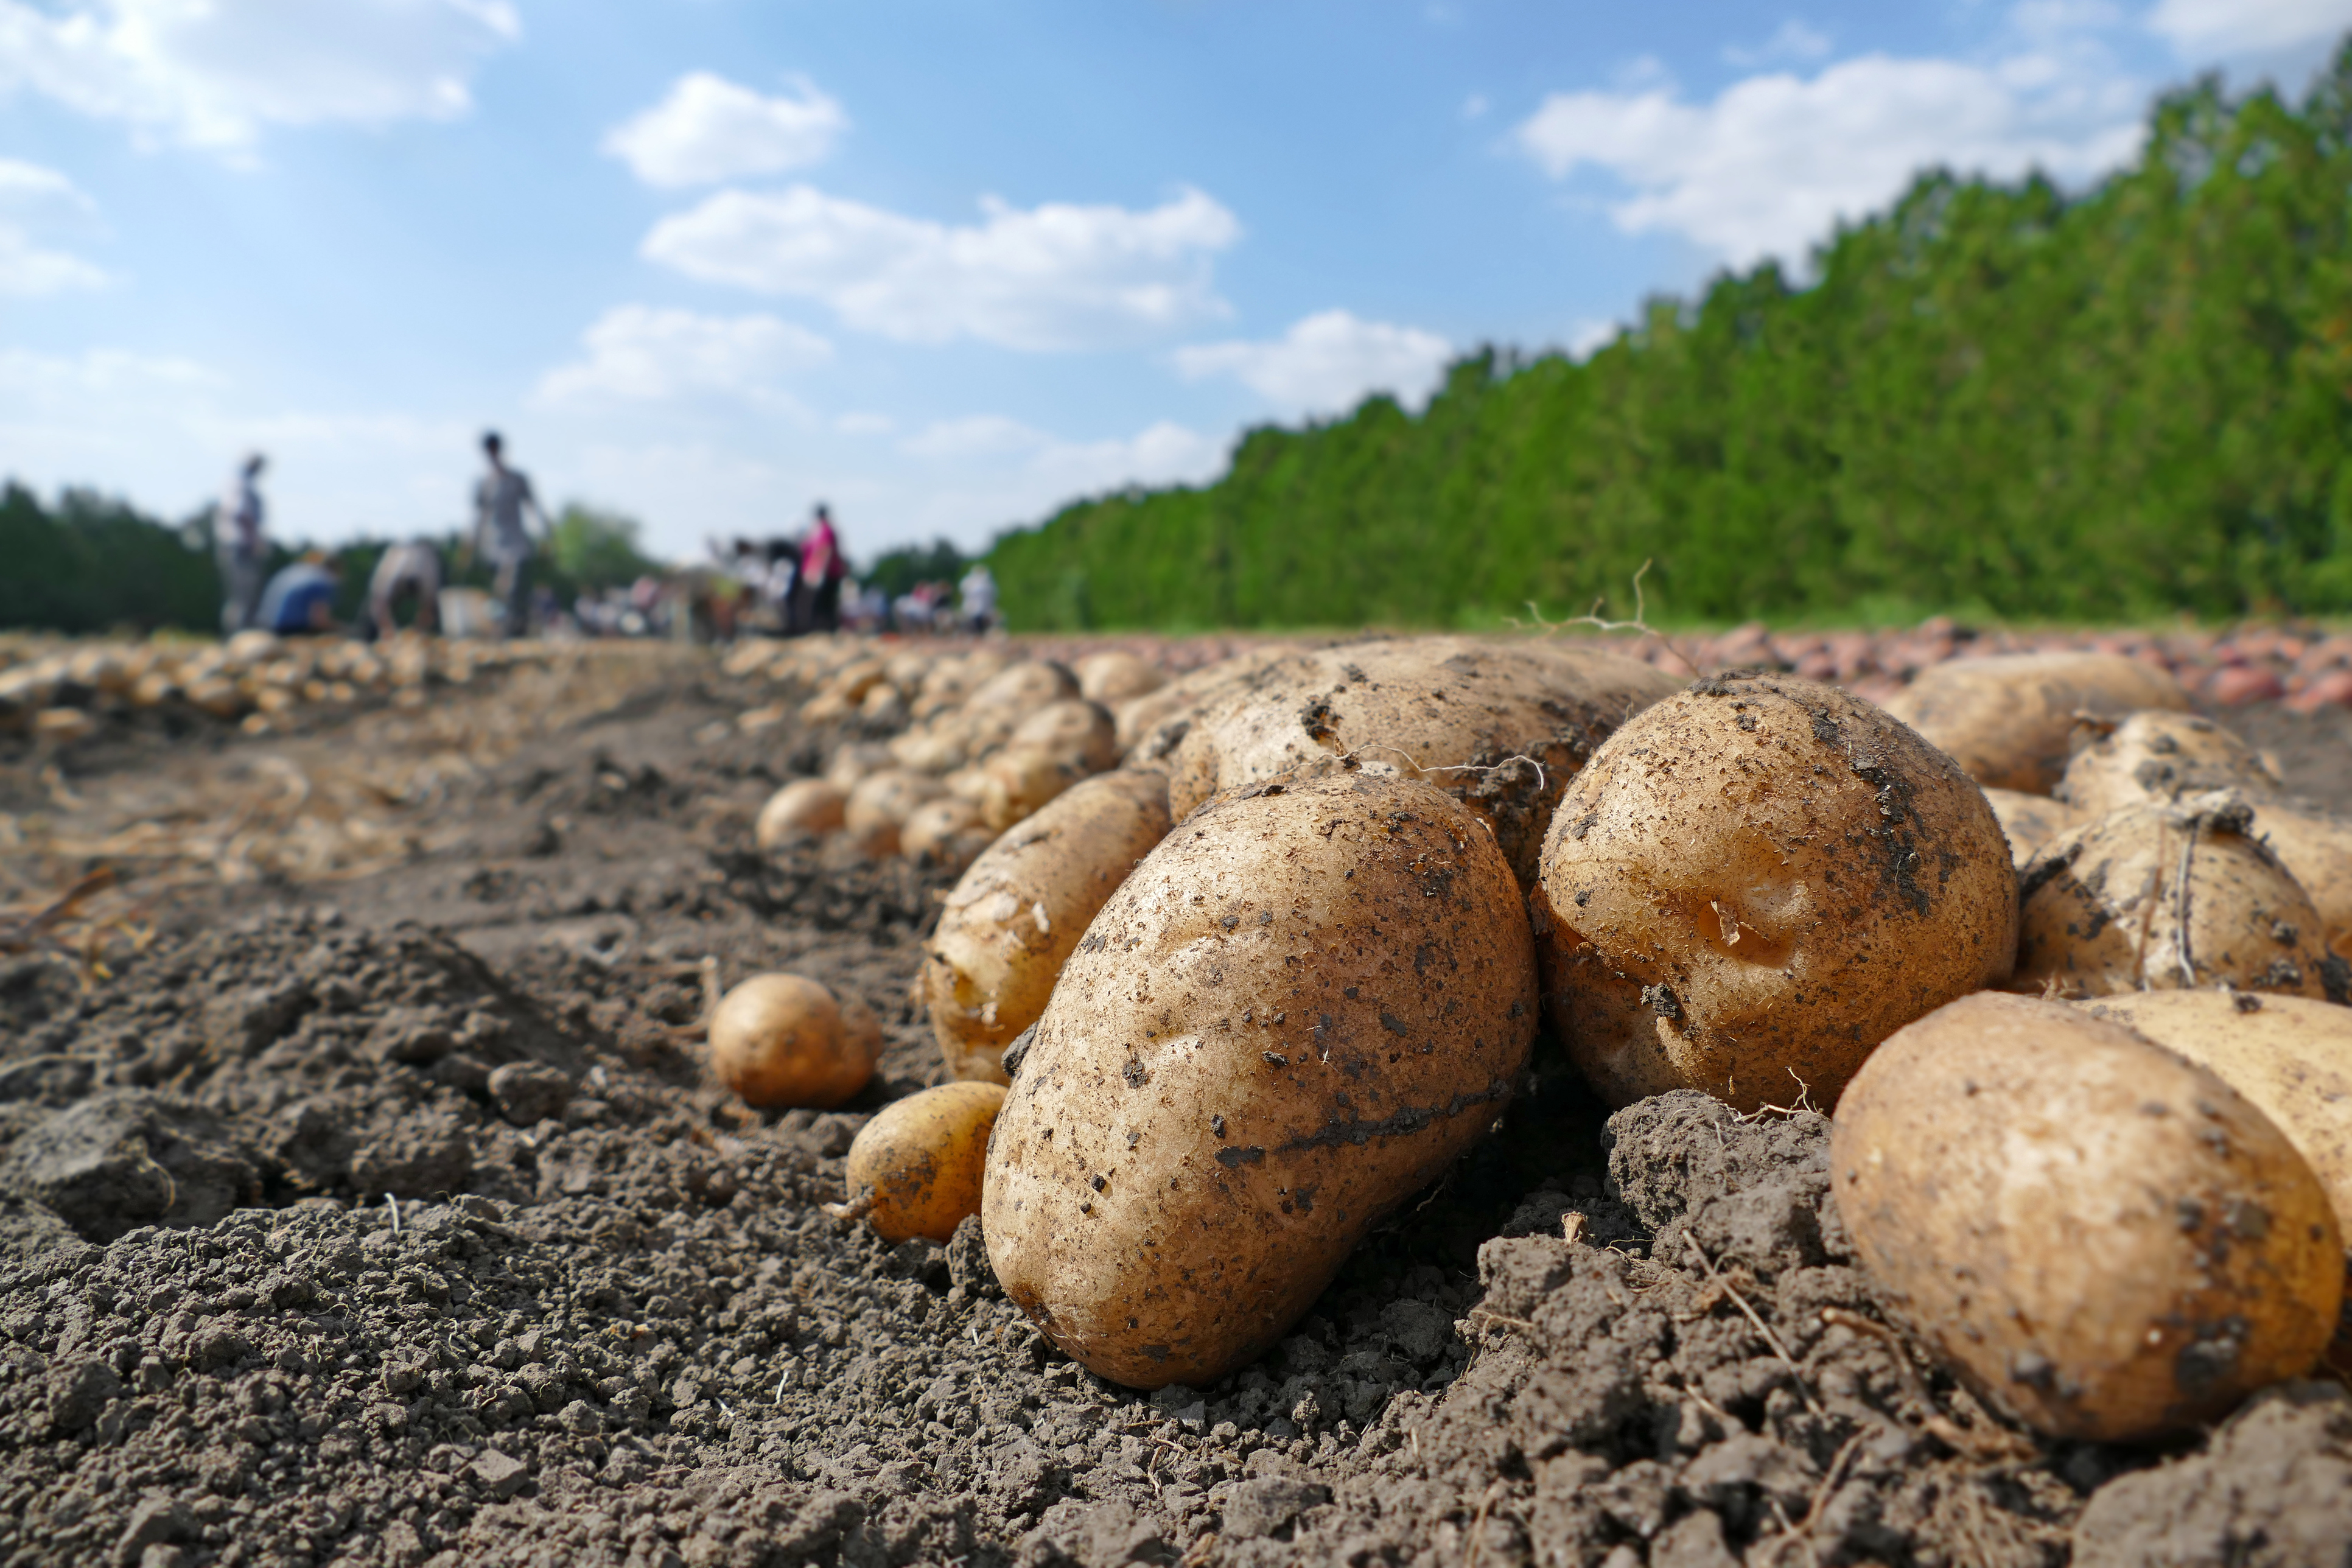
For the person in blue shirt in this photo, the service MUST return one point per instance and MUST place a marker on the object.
(300, 599)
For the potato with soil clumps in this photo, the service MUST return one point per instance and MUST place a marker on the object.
(784, 1041)
(1500, 727)
(916, 1167)
(812, 806)
(2007, 719)
(2166, 897)
(2099, 1238)
(1017, 914)
(1753, 883)
(2030, 821)
(1297, 1012)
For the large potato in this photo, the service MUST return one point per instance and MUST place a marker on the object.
(1754, 882)
(1500, 727)
(1297, 1012)
(2163, 897)
(2007, 719)
(1020, 908)
(2161, 757)
(2101, 1239)
(2030, 821)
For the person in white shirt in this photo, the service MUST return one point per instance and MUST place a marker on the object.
(241, 547)
(978, 593)
(414, 566)
(500, 531)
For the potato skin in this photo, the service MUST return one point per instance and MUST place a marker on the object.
(1449, 710)
(2161, 897)
(2101, 1239)
(2159, 756)
(990, 965)
(784, 1040)
(1300, 1008)
(2030, 821)
(1753, 883)
(2007, 719)
(919, 1161)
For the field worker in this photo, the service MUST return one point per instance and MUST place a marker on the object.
(821, 572)
(500, 531)
(300, 600)
(238, 544)
(978, 593)
(411, 568)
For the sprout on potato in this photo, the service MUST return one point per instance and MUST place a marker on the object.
(2098, 1236)
(1754, 882)
(916, 1167)
(784, 1041)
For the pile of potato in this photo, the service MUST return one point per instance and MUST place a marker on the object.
(2066, 960)
(254, 679)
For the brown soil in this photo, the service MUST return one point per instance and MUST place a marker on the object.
(363, 1203)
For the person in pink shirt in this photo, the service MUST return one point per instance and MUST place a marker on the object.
(818, 587)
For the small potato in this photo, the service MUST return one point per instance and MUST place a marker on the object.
(2164, 897)
(1081, 732)
(1294, 1015)
(1006, 928)
(2007, 719)
(1753, 883)
(945, 830)
(1018, 781)
(856, 760)
(2030, 821)
(937, 747)
(804, 805)
(2159, 756)
(1116, 677)
(919, 1162)
(2099, 1238)
(882, 802)
(1023, 689)
(1502, 727)
(783, 1040)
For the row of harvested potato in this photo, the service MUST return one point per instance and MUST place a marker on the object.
(1259, 985)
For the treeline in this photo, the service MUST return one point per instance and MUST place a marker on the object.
(89, 564)
(1993, 400)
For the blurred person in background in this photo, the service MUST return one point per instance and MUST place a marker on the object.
(300, 599)
(978, 593)
(411, 568)
(240, 546)
(816, 591)
(500, 530)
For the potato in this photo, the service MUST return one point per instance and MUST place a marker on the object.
(1116, 677)
(947, 830)
(1291, 1017)
(856, 760)
(1079, 731)
(1501, 727)
(1007, 926)
(1753, 883)
(1152, 726)
(2159, 756)
(917, 1164)
(2030, 821)
(882, 802)
(937, 747)
(2099, 1238)
(1023, 689)
(1294, 1015)
(804, 805)
(1018, 781)
(2006, 719)
(783, 1040)
(2163, 897)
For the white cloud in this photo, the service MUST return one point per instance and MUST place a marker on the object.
(1045, 471)
(2248, 27)
(639, 352)
(865, 424)
(1053, 277)
(975, 436)
(32, 198)
(1776, 160)
(709, 128)
(1792, 41)
(1327, 362)
(213, 72)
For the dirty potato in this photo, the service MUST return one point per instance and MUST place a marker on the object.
(882, 802)
(1299, 1011)
(1008, 924)
(2007, 719)
(2029, 821)
(2163, 897)
(2096, 1236)
(1500, 727)
(1753, 883)
(804, 805)
(915, 1169)
(947, 831)
(784, 1040)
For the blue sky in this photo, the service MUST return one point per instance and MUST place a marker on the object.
(944, 265)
